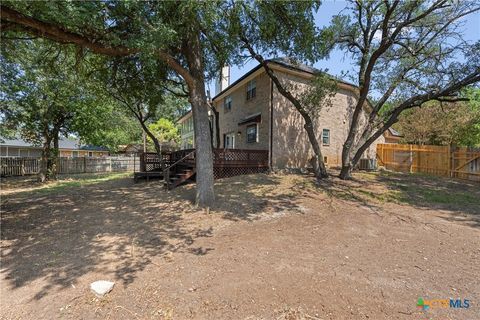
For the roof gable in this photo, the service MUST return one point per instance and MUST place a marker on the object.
(283, 65)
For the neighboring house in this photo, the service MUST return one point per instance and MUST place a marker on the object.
(392, 136)
(68, 148)
(130, 149)
(185, 122)
(252, 114)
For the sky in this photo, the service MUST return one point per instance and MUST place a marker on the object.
(337, 64)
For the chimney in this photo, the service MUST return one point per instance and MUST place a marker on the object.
(223, 81)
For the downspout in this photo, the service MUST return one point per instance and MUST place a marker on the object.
(217, 125)
(270, 151)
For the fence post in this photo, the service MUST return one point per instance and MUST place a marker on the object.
(411, 158)
(84, 164)
(110, 164)
(449, 155)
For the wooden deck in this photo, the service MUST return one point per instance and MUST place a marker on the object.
(180, 166)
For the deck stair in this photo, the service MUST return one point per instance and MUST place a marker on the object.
(181, 169)
(180, 178)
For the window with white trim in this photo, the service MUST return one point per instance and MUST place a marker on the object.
(326, 137)
(252, 133)
(251, 89)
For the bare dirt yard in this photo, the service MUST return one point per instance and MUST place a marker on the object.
(275, 247)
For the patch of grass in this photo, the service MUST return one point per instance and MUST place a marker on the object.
(442, 196)
(82, 180)
(73, 181)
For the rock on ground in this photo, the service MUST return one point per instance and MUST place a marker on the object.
(101, 287)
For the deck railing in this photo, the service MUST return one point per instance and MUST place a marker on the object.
(226, 162)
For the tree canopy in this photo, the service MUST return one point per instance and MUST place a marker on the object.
(406, 53)
(447, 124)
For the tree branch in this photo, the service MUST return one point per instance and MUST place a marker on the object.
(53, 32)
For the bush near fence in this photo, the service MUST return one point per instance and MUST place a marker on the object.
(449, 161)
(26, 166)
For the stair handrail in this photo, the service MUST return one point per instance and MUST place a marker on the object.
(166, 171)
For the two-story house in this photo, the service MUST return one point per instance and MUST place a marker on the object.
(252, 114)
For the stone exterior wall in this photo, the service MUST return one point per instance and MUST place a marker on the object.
(241, 109)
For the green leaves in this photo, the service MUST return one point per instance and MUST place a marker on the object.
(165, 131)
(444, 123)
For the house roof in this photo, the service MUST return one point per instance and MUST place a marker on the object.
(184, 116)
(394, 132)
(63, 143)
(286, 63)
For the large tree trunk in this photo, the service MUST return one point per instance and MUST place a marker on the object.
(156, 143)
(53, 167)
(43, 175)
(318, 164)
(205, 196)
(346, 171)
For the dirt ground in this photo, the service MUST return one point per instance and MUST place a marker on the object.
(276, 247)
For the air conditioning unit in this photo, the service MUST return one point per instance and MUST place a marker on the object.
(367, 164)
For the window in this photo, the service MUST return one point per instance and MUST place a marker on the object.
(227, 104)
(187, 126)
(326, 137)
(252, 133)
(251, 89)
(90, 154)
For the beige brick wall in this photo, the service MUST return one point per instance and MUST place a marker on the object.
(242, 108)
(291, 147)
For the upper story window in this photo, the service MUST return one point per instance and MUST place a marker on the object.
(227, 104)
(251, 89)
(252, 133)
(326, 137)
(187, 126)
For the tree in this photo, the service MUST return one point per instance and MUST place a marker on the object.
(451, 123)
(406, 53)
(286, 27)
(116, 127)
(165, 131)
(42, 99)
(183, 35)
(136, 84)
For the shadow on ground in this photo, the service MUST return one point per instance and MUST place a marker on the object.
(461, 198)
(116, 227)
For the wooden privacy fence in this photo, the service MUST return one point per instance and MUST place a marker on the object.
(458, 162)
(19, 166)
(26, 166)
